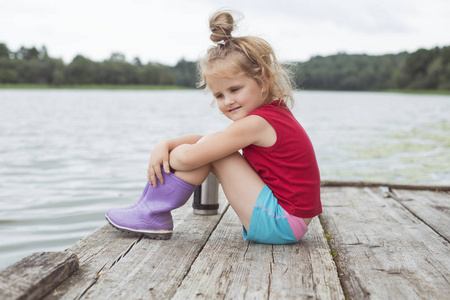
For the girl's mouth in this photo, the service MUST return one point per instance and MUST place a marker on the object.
(233, 109)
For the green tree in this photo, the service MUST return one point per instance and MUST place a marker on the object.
(444, 78)
(414, 71)
(185, 73)
(8, 71)
(137, 62)
(348, 72)
(117, 56)
(4, 51)
(27, 53)
(43, 54)
(116, 71)
(165, 75)
(81, 71)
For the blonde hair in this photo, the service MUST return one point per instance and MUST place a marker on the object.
(248, 55)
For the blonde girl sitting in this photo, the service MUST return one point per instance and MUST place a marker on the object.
(273, 186)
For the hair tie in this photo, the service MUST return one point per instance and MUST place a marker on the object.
(224, 42)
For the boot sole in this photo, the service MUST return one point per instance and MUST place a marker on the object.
(154, 235)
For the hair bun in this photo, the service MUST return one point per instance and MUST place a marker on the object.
(221, 25)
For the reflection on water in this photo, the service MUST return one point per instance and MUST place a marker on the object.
(68, 156)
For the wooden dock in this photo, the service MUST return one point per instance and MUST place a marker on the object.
(373, 241)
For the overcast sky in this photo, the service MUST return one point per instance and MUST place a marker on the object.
(165, 31)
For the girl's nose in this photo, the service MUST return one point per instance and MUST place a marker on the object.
(229, 100)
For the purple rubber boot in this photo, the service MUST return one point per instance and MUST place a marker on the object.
(144, 192)
(151, 215)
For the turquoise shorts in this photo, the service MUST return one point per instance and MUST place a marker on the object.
(271, 224)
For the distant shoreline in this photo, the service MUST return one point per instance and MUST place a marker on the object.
(172, 87)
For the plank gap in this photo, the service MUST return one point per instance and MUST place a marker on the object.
(328, 237)
(203, 246)
(399, 200)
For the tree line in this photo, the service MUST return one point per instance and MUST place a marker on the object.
(420, 70)
(425, 69)
(35, 66)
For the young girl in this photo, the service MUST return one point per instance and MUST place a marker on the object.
(274, 186)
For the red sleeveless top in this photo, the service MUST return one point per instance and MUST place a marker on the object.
(289, 167)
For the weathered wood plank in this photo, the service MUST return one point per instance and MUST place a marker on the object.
(384, 251)
(36, 275)
(229, 267)
(96, 252)
(431, 207)
(223, 266)
(117, 265)
(306, 270)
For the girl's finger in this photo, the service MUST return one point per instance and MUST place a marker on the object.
(158, 173)
(166, 166)
(153, 181)
(151, 176)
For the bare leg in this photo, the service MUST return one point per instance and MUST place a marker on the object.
(196, 176)
(152, 217)
(240, 183)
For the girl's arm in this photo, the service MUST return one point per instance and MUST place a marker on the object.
(249, 130)
(187, 139)
(160, 156)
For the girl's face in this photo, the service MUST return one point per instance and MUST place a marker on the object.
(236, 97)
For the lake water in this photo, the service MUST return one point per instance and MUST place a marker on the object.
(66, 156)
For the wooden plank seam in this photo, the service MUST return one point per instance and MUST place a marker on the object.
(203, 246)
(399, 200)
(333, 252)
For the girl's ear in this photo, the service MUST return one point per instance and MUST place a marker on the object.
(265, 84)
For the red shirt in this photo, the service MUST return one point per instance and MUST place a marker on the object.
(289, 167)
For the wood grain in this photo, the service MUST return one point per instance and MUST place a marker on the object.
(229, 267)
(433, 208)
(36, 275)
(384, 251)
(370, 243)
(118, 265)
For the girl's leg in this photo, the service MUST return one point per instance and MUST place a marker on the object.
(151, 216)
(241, 184)
(242, 187)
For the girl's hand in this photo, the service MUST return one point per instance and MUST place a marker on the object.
(159, 157)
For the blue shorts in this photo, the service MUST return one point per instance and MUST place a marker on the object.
(270, 222)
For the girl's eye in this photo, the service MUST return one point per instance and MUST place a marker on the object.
(234, 89)
(220, 96)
